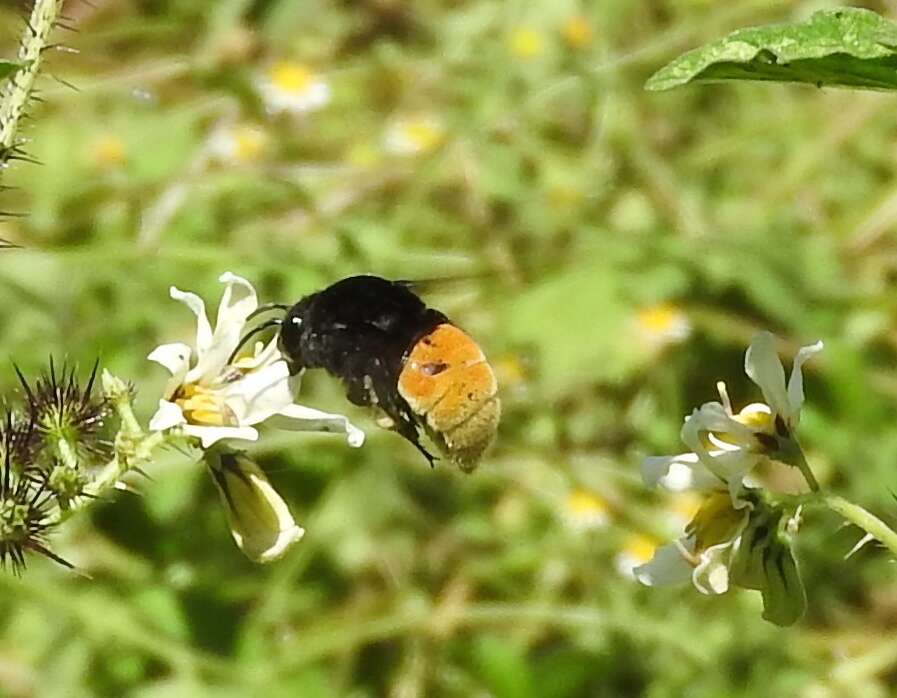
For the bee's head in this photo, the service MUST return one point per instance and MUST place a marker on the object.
(290, 337)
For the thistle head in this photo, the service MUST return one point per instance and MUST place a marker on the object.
(26, 502)
(68, 418)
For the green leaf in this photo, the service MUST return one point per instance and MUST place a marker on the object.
(847, 47)
(7, 68)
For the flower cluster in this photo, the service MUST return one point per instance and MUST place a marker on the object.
(740, 536)
(220, 398)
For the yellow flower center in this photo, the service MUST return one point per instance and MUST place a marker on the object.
(716, 521)
(201, 406)
(108, 151)
(423, 135)
(583, 504)
(661, 319)
(248, 142)
(577, 32)
(526, 43)
(640, 548)
(291, 77)
(755, 419)
(685, 505)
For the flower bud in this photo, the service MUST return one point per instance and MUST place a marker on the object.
(259, 519)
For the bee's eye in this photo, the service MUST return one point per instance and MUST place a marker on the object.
(297, 321)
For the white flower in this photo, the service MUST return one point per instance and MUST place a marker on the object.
(414, 136)
(292, 88)
(736, 537)
(705, 553)
(236, 143)
(636, 551)
(725, 445)
(662, 325)
(585, 511)
(259, 519)
(211, 399)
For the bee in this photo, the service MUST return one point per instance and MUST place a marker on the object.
(408, 360)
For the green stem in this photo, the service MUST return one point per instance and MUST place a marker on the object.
(133, 447)
(18, 88)
(863, 519)
(805, 470)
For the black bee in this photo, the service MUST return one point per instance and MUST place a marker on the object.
(393, 352)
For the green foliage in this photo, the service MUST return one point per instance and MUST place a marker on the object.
(7, 68)
(845, 47)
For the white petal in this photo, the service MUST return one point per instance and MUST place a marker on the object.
(763, 366)
(668, 567)
(712, 417)
(232, 315)
(711, 575)
(300, 418)
(796, 381)
(259, 519)
(677, 473)
(260, 394)
(232, 311)
(264, 355)
(174, 357)
(167, 416)
(196, 305)
(209, 436)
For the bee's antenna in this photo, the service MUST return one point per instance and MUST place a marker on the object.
(266, 308)
(252, 333)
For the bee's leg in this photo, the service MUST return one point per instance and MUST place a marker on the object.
(406, 427)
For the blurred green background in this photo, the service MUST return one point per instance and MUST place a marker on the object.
(614, 251)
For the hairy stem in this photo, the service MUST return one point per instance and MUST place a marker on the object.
(18, 88)
(865, 520)
(133, 446)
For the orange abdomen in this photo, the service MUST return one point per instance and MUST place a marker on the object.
(451, 388)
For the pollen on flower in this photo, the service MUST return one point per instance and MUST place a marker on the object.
(584, 510)
(292, 87)
(526, 43)
(577, 32)
(414, 136)
(662, 325)
(636, 550)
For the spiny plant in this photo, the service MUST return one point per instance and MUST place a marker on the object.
(18, 77)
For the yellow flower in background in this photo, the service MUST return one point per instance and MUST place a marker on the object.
(107, 152)
(237, 143)
(565, 196)
(661, 325)
(526, 43)
(577, 32)
(510, 370)
(681, 508)
(364, 154)
(414, 136)
(637, 550)
(293, 88)
(585, 511)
